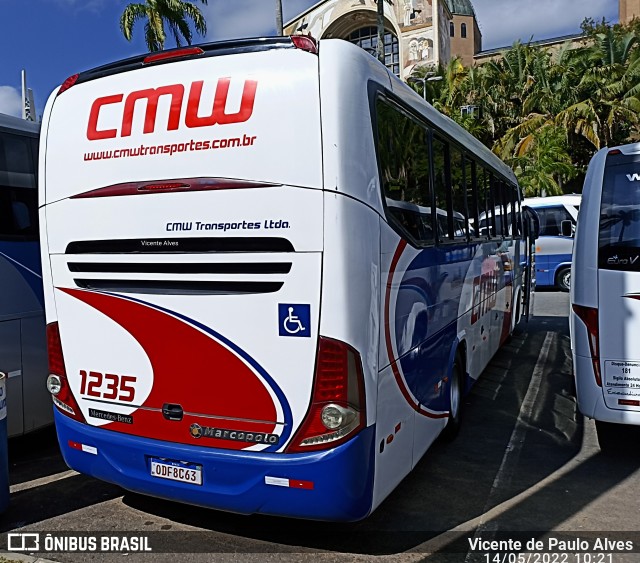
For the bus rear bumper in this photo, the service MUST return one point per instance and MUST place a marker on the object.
(332, 485)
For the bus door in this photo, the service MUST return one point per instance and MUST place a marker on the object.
(531, 223)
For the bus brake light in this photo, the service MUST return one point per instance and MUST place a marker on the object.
(164, 56)
(589, 316)
(305, 43)
(68, 83)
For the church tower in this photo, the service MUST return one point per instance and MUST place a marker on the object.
(465, 35)
(629, 9)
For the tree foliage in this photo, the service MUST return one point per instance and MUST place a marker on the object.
(161, 14)
(546, 112)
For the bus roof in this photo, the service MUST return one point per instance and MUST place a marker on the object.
(569, 199)
(631, 148)
(218, 48)
(8, 122)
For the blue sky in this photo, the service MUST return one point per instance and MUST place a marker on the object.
(53, 39)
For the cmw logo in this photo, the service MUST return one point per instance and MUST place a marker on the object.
(633, 177)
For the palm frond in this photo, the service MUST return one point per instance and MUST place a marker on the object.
(175, 14)
(131, 14)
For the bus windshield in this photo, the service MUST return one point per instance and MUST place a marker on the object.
(620, 213)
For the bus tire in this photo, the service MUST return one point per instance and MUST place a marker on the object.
(516, 316)
(609, 436)
(455, 400)
(563, 279)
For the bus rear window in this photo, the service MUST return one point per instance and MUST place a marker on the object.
(619, 235)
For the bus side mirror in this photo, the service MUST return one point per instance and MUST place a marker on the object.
(566, 228)
(530, 215)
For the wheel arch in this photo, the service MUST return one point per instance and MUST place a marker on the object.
(562, 267)
(459, 349)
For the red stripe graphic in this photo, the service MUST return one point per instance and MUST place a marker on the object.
(387, 335)
(190, 369)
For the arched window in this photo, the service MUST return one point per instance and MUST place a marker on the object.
(463, 30)
(367, 38)
(452, 29)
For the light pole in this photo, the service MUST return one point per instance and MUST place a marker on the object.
(428, 77)
(380, 28)
(279, 17)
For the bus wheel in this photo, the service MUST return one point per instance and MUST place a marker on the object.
(455, 401)
(563, 279)
(516, 316)
(609, 436)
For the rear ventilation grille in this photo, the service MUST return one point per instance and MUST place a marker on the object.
(182, 268)
(177, 287)
(181, 245)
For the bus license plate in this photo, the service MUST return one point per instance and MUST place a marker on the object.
(176, 471)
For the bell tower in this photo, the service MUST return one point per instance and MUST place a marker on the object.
(629, 9)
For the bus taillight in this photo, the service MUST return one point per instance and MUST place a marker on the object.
(589, 316)
(306, 43)
(68, 83)
(337, 409)
(57, 382)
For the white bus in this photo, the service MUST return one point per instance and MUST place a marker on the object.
(553, 247)
(605, 293)
(252, 302)
(23, 347)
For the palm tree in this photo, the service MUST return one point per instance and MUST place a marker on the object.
(278, 17)
(611, 85)
(542, 162)
(158, 13)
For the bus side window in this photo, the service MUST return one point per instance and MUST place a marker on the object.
(505, 208)
(442, 179)
(484, 230)
(405, 173)
(471, 175)
(459, 194)
(496, 204)
(18, 193)
(491, 204)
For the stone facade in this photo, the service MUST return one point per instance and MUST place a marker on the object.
(419, 27)
(466, 39)
(629, 9)
(427, 32)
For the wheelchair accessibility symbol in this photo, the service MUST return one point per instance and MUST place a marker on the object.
(294, 320)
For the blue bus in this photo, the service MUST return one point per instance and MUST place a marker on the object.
(553, 248)
(23, 349)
